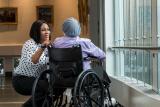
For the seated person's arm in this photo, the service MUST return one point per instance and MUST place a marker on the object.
(94, 51)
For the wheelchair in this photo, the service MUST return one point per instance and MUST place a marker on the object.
(65, 70)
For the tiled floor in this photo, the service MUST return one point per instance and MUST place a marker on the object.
(8, 97)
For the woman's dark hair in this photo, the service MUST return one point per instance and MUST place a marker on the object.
(35, 31)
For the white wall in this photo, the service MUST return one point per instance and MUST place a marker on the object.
(109, 35)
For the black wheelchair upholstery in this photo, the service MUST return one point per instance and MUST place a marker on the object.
(66, 64)
(66, 71)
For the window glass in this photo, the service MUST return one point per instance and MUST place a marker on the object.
(133, 29)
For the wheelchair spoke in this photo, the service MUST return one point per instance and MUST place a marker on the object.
(87, 99)
(91, 97)
(89, 91)
(40, 93)
(46, 102)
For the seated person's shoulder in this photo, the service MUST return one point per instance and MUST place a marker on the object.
(58, 38)
(85, 40)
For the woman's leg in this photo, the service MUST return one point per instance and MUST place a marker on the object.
(23, 85)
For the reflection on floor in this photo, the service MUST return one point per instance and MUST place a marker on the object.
(8, 97)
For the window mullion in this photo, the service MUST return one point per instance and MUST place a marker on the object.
(154, 43)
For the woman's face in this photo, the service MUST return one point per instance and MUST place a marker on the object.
(45, 32)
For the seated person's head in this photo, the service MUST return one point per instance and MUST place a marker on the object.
(71, 27)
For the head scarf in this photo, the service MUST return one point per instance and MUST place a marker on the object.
(71, 27)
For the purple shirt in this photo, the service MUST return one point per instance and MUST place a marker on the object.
(88, 48)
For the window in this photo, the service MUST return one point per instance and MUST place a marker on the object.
(1, 66)
(134, 21)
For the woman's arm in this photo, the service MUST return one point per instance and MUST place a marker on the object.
(36, 56)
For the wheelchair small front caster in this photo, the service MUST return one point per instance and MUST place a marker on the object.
(107, 103)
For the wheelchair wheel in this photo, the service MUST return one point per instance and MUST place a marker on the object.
(41, 95)
(88, 90)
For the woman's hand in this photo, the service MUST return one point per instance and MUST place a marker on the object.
(36, 56)
(46, 43)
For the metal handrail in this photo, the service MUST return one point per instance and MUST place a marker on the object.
(136, 47)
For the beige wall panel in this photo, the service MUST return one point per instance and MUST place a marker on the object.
(63, 10)
(3, 3)
(18, 34)
(13, 36)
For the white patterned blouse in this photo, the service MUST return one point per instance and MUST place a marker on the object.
(26, 67)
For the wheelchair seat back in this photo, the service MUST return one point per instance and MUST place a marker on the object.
(66, 64)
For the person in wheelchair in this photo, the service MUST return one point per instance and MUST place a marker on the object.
(72, 29)
(33, 60)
